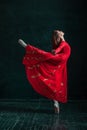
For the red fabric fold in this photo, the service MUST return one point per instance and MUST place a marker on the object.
(47, 73)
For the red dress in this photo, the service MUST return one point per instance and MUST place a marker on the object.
(47, 73)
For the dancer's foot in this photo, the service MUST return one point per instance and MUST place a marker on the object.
(56, 107)
(20, 41)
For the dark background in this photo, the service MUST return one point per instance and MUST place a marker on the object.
(34, 21)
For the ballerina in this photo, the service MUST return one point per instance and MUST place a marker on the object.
(47, 71)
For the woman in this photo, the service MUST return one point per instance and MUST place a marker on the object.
(47, 72)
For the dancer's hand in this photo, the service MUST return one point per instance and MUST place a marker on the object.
(53, 52)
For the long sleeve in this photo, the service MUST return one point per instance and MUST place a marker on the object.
(63, 51)
(61, 46)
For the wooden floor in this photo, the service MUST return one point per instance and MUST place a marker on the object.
(39, 115)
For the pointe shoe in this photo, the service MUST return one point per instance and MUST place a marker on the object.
(56, 109)
(20, 41)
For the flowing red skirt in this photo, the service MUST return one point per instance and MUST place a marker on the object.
(47, 73)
